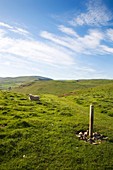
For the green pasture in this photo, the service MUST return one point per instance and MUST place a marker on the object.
(58, 87)
(42, 135)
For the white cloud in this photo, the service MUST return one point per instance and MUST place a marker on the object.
(91, 40)
(110, 34)
(67, 30)
(7, 63)
(107, 49)
(14, 29)
(97, 14)
(35, 50)
(2, 24)
(66, 42)
(20, 31)
(81, 45)
(52, 52)
(2, 33)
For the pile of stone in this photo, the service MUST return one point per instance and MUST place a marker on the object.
(96, 138)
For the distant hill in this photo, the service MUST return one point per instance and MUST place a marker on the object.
(58, 87)
(8, 82)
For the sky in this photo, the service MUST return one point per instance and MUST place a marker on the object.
(59, 39)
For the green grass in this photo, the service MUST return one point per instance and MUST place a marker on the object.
(42, 135)
(11, 82)
(59, 88)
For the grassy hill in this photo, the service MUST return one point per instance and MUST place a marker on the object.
(7, 82)
(42, 135)
(58, 87)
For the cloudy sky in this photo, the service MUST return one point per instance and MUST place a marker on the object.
(59, 39)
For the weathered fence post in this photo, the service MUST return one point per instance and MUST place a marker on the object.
(91, 118)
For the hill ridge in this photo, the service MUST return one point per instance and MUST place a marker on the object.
(6, 82)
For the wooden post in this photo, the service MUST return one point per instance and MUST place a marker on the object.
(91, 118)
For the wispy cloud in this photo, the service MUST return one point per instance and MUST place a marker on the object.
(20, 31)
(5, 25)
(91, 43)
(67, 42)
(2, 32)
(96, 14)
(107, 49)
(53, 51)
(67, 30)
(31, 49)
(14, 29)
(110, 34)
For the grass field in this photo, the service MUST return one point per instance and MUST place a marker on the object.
(11, 82)
(59, 87)
(42, 135)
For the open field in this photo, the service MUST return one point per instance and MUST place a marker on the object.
(58, 87)
(42, 135)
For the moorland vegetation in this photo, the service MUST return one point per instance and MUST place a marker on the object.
(42, 135)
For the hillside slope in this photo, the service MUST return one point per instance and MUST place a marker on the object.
(43, 135)
(59, 87)
(7, 82)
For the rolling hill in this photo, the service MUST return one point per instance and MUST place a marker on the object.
(8, 82)
(42, 135)
(59, 87)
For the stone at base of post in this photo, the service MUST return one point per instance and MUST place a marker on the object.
(90, 140)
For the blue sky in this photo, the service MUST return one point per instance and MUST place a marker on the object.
(60, 39)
